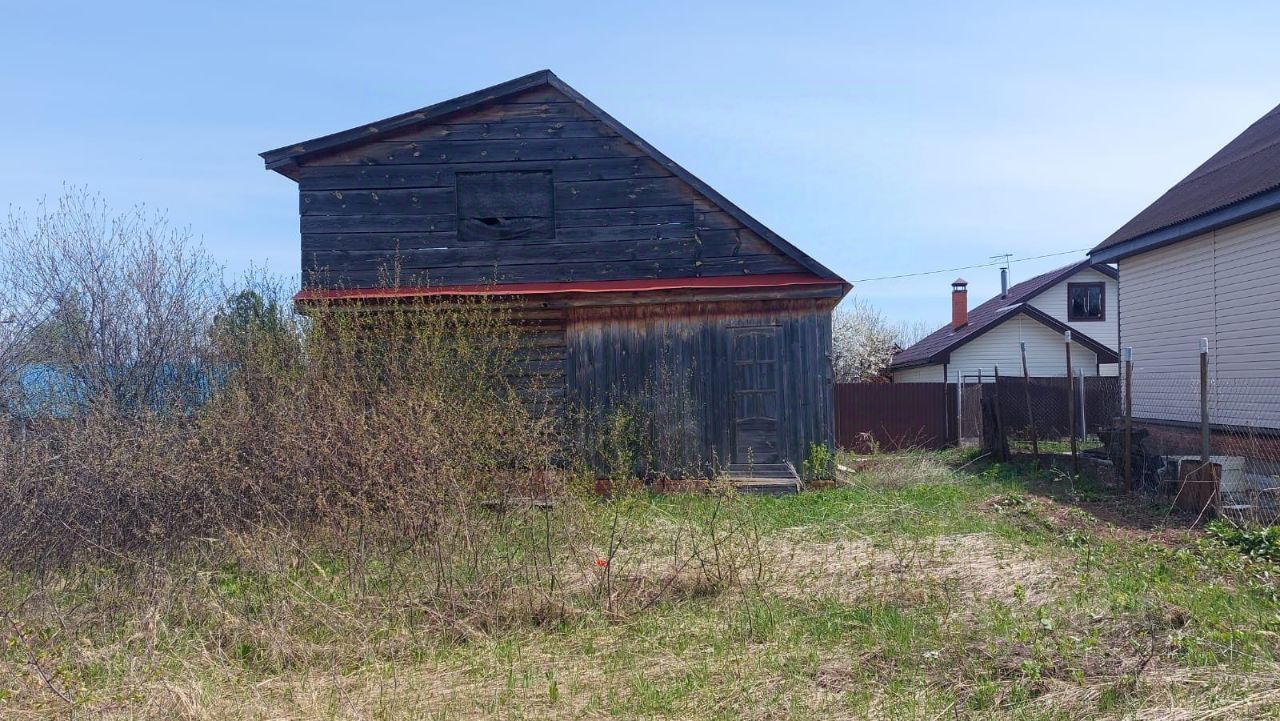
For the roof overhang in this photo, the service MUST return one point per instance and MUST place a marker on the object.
(1260, 204)
(728, 283)
(285, 159)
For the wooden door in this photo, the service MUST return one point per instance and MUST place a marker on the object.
(755, 395)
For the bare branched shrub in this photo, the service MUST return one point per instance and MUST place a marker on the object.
(648, 429)
(112, 307)
(398, 450)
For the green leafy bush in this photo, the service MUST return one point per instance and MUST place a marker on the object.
(1254, 542)
(821, 463)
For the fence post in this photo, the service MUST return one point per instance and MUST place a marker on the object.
(1071, 408)
(1084, 410)
(959, 410)
(1002, 442)
(1204, 402)
(1031, 417)
(1128, 417)
(981, 423)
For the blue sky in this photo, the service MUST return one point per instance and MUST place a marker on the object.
(883, 138)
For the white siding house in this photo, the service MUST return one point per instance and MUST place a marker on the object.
(1000, 348)
(1054, 301)
(1203, 261)
(1221, 285)
(1036, 312)
(921, 374)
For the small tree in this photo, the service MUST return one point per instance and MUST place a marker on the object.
(117, 305)
(910, 332)
(862, 342)
(253, 323)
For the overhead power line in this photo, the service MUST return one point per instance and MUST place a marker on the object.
(967, 267)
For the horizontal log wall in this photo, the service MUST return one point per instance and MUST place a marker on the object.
(386, 212)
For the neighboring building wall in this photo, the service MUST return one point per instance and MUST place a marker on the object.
(923, 374)
(1221, 286)
(1054, 304)
(1107, 331)
(1046, 356)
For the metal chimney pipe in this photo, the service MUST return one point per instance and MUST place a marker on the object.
(1004, 282)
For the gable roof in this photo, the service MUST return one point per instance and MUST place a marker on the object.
(938, 345)
(285, 160)
(1240, 181)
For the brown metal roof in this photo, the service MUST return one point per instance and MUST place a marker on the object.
(1245, 168)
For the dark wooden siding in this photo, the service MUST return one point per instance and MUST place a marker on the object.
(386, 211)
(539, 371)
(624, 353)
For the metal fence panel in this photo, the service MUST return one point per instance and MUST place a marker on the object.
(892, 416)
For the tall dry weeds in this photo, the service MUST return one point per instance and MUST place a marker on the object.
(396, 456)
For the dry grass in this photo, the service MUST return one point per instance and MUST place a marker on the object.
(825, 607)
(975, 566)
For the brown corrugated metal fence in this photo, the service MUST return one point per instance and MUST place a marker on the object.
(892, 416)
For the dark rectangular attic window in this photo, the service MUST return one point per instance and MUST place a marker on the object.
(1086, 302)
(514, 205)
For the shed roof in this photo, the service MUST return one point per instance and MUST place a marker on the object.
(937, 346)
(1240, 181)
(285, 160)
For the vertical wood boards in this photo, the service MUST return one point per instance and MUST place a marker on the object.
(684, 367)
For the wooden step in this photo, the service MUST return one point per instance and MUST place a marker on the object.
(767, 488)
(761, 470)
(773, 479)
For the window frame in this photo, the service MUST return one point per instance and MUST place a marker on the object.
(1102, 302)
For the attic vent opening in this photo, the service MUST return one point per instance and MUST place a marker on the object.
(508, 205)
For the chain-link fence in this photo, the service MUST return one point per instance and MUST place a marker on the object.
(1234, 425)
(1036, 415)
(1042, 414)
(1210, 449)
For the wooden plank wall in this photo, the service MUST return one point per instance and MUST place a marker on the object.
(540, 360)
(614, 353)
(386, 211)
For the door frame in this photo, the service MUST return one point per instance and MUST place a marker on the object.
(775, 330)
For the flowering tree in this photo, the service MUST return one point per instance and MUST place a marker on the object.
(863, 341)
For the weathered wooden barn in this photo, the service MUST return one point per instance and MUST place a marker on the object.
(528, 191)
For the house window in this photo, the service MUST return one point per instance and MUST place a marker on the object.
(515, 205)
(1086, 301)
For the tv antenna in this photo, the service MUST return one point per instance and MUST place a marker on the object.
(1004, 272)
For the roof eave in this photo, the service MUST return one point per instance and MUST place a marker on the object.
(280, 159)
(643, 285)
(930, 361)
(1222, 217)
